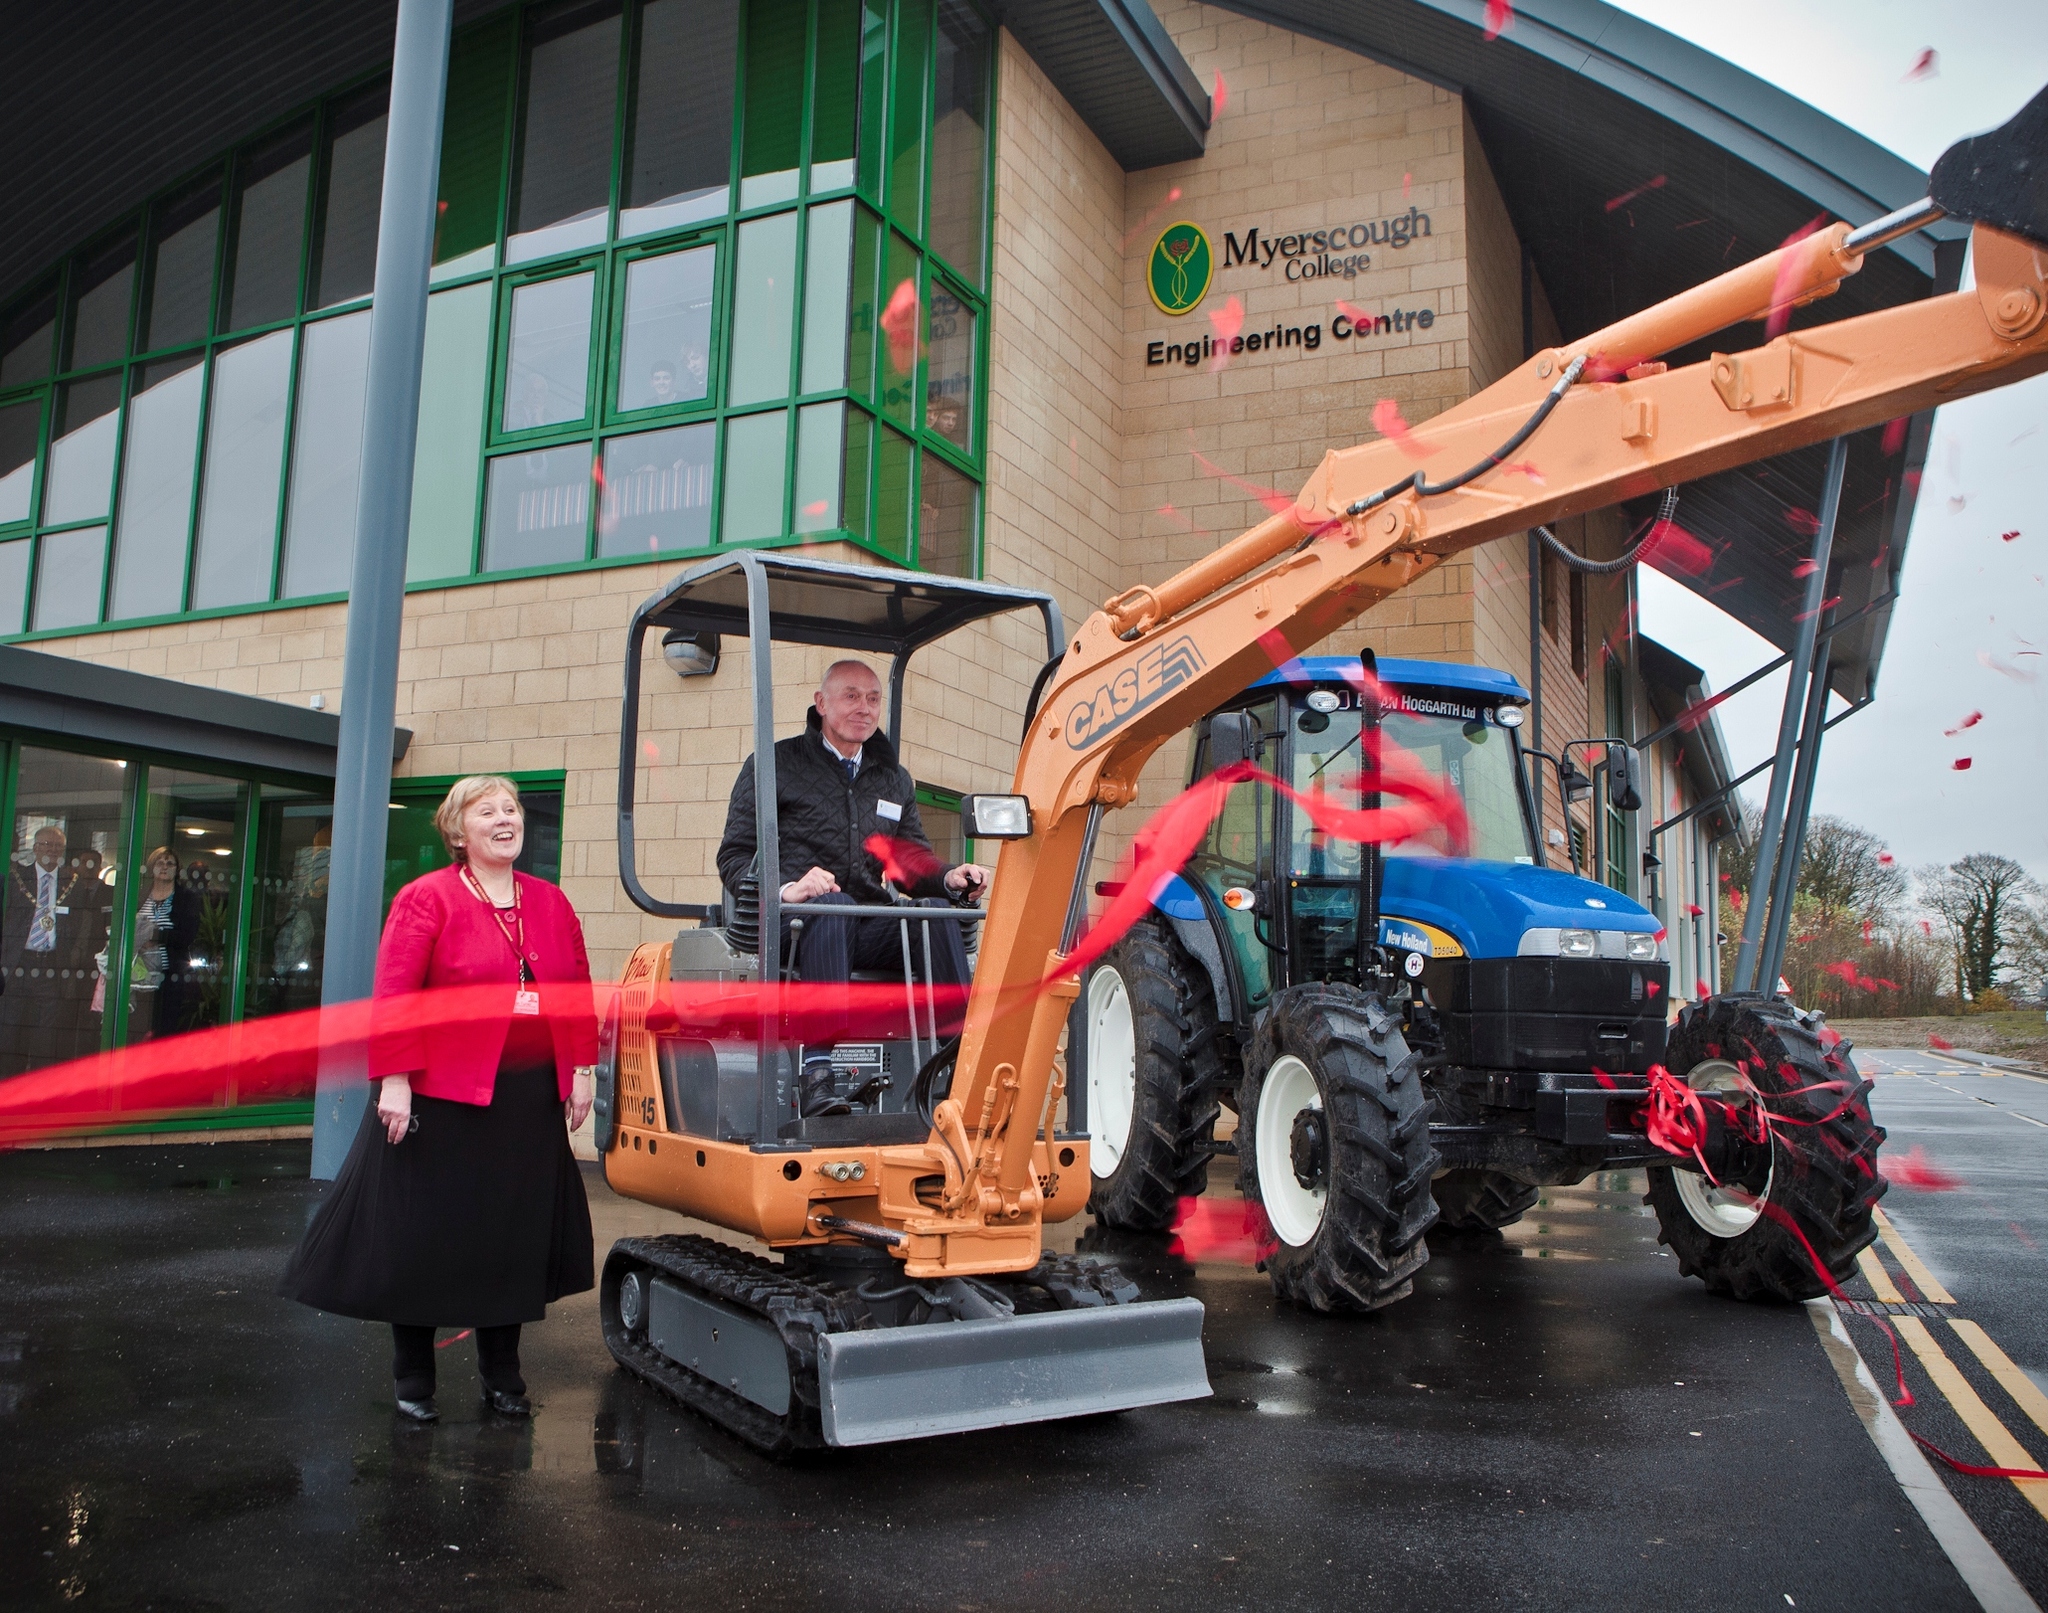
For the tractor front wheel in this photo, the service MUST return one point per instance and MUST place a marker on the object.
(1807, 1206)
(1333, 1142)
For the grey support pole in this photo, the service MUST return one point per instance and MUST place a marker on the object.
(1536, 688)
(369, 678)
(1799, 804)
(1788, 730)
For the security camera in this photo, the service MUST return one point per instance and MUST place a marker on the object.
(690, 655)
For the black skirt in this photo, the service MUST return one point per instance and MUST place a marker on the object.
(477, 1219)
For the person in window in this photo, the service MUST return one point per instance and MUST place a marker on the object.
(51, 924)
(166, 923)
(661, 385)
(460, 1204)
(696, 370)
(837, 784)
(529, 405)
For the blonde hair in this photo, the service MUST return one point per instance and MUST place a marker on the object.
(463, 794)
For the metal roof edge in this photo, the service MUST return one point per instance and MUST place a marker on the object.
(1076, 44)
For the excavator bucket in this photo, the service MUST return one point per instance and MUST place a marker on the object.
(910, 1382)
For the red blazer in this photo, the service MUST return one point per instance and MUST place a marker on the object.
(438, 935)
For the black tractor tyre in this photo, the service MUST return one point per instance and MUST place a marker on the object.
(1369, 1148)
(1823, 1173)
(1480, 1201)
(1175, 1067)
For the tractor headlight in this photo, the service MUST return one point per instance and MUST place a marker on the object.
(1642, 946)
(996, 817)
(1323, 700)
(1577, 944)
(1508, 716)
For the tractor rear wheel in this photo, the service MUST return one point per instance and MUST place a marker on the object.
(1333, 1143)
(1480, 1201)
(1810, 1202)
(1143, 1036)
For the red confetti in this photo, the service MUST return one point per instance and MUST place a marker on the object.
(1702, 989)
(1961, 764)
(1970, 721)
(1500, 17)
(899, 323)
(906, 863)
(1387, 421)
(818, 508)
(1694, 910)
(1940, 1044)
(1925, 66)
(1894, 436)
(1673, 550)
(1885, 859)
(442, 1344)
(1271, 497)
(2007, 537)
(650, 750)
(1805, 568)
(1216, 1230)
(1782, 292)
(1628, 196)
(1803, 521)
(1867, 927)
(1220, 99)
(1407, 185)
(1228, 320)
(1151, 213)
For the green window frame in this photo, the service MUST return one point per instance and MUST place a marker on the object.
(859, 128)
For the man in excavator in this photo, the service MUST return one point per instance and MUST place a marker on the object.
(837, 784)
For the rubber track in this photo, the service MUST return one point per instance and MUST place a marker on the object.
(1826, 1174)
(1370, 1244)
(1480, 1201)
(1180, 1072)
(797, 1310)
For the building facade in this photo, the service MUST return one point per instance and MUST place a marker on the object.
(863, 277)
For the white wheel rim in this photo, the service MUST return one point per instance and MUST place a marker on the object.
(1725, 1212)
(1295, 1211)
(1112, 1070)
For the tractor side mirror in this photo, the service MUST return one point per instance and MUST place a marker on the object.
(1624, 778)
(1232, 738)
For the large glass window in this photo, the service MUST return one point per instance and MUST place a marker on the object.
(665, 357)
(820, 429)
(82, 442)
(764, 308)
(454, 378)
(158, 470)
(473, 146)
(548, 353)
(771, 147)
(102, 287)
(563, 201)
(187, 895)
(345, 250)
(237, 541)
(949, 370)
(657, 491)
(21, 430)
(538, 509)
(827, 255)
(945, 525)
(960, 138)
(56, 908)
(13, 583)
(288, 919)
(681, 153)
(327, 457)
(269, 230)
(756, 446)
(70, 568)
(184, 232)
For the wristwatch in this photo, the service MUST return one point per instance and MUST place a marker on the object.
(583, 1070)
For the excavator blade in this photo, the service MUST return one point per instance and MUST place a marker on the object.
(910, 1382)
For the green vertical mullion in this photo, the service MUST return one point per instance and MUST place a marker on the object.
(284, 471)
(806, 113)
(595, 383)
(114, 489)
(629, 49)
(508, 139)
(246, 804)
(135, 799)
(35, 492)
(208, 357)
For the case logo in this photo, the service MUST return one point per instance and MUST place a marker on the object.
(1180, 268)
(1158, 672)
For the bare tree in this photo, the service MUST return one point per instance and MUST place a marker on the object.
(1981, 900)
(1849, 874)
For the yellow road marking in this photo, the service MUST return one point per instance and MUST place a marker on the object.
(1982, 1422)
(1903, 1253)
(2010, 1378)
(1880, 1280)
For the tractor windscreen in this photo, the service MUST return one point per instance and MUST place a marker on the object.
(1464, 747)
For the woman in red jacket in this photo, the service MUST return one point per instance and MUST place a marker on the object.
(460, 1204)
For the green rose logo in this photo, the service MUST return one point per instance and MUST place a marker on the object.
(1180, 267)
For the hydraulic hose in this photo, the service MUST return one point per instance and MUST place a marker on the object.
(1607, 568)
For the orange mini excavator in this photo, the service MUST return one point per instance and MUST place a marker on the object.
(911, 1294)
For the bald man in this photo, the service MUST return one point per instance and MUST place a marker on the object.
(837, 783)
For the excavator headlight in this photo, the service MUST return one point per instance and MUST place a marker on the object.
(996, 817)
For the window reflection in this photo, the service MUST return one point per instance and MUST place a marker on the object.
(666, 355)
(538, 509)
(20, 425)
(345, 253)
(960, 138)
(237, 540)
(157, 473)
(288, 919)
(27, 331)
(269, 230)
(80, 474)
(102, 283)
(681, 162)
(949, 374)
(187, 899)
(327, 457)
(56, 906)
(183, 233)
(549, 356)
(70, 567)
(945, 519)
(563, 197)
(657, 491)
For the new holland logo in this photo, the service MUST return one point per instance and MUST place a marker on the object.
(1180, 268)
(1158, 673)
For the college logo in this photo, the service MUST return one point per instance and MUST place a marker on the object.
(1159, 672)
(1180, 268)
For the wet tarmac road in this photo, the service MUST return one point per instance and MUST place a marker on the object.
(1556, 1418)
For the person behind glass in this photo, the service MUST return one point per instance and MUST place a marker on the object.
(50, 926)
(836, 784)
(166, 924)
(460, 1204)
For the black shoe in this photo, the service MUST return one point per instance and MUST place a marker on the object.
(419, 1411)
(506, 1404)
(819, 1095)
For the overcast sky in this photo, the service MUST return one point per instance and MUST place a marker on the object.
(1971, 602)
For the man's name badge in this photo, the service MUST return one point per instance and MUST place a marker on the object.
(526, 1002)
(889, 810)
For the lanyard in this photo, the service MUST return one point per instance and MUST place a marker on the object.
(514, 932)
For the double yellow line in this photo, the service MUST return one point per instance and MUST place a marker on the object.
(1983, 1423)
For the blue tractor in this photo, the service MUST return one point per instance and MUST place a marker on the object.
(1410, 1039)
